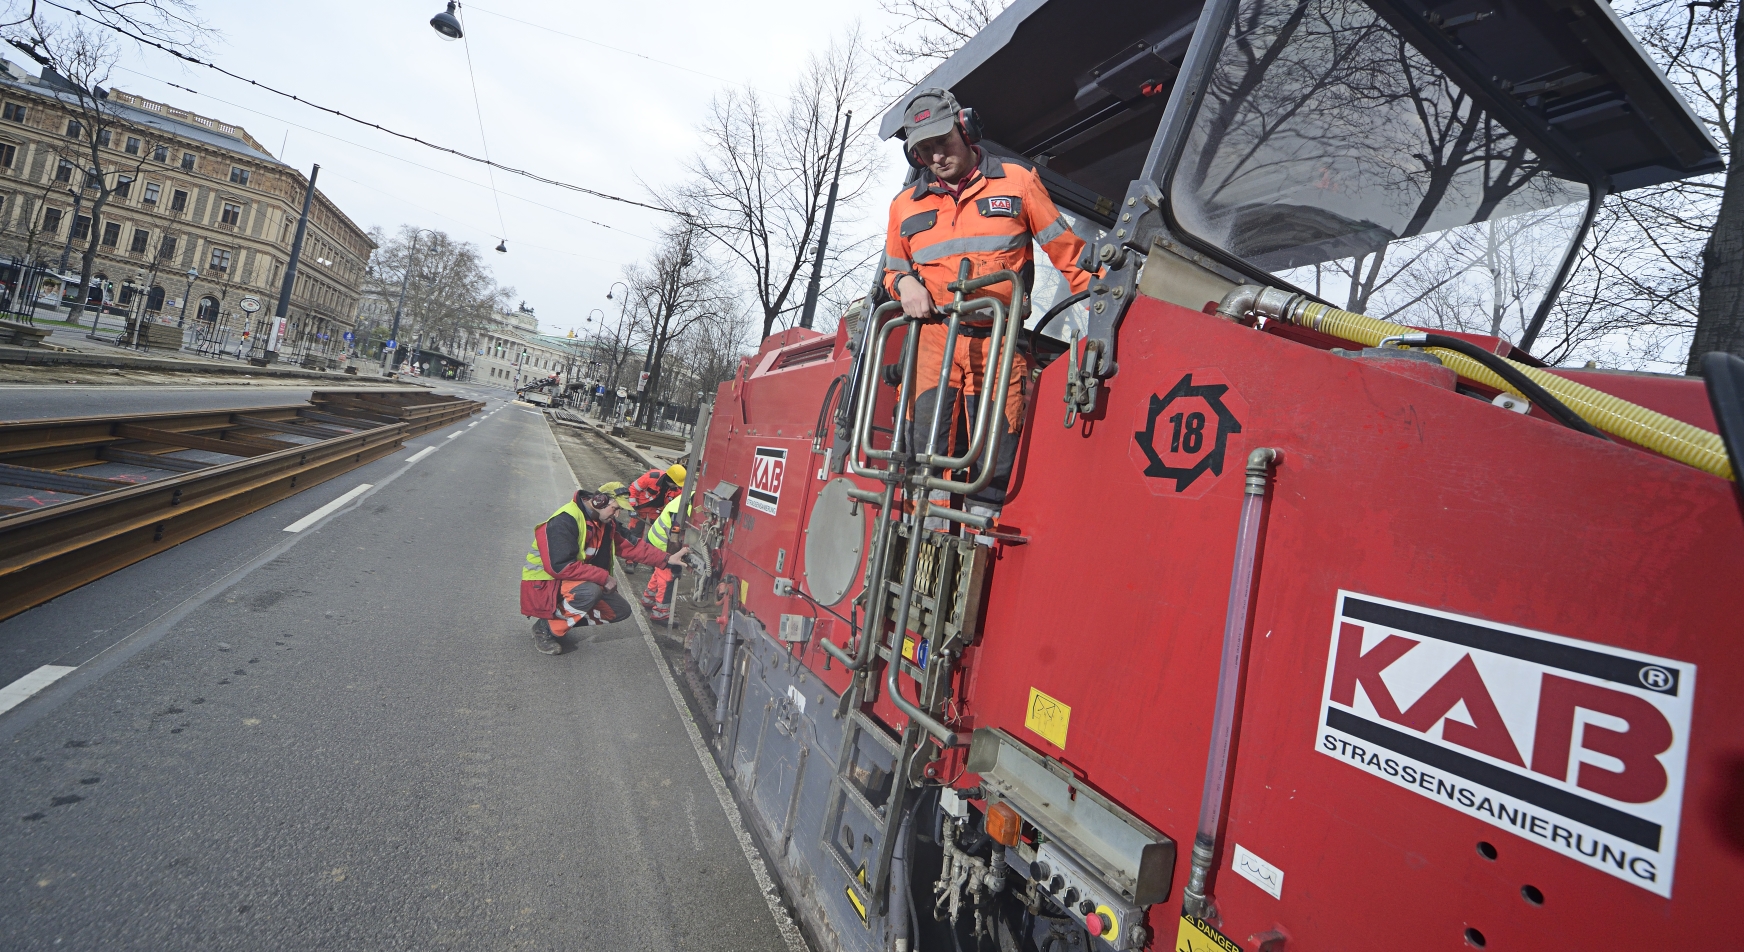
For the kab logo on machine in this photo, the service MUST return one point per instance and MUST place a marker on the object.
(1576, 746)
(764, 493)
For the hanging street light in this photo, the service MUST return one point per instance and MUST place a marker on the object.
(447, 24)
(503, 246)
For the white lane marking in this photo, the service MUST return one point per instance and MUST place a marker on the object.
(426, 451)
(20, 690)
(453, 435)
(472, 424)
(328, 509)
(534, 412)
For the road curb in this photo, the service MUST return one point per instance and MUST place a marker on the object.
(646, 459)
(34, 357)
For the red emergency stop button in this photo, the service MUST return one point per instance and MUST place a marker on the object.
(1097, 923)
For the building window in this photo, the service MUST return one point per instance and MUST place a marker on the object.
(126, 295)
(123, 186)
(74, 128)
(7, 154)
(154, 301)
(152, 191)
(140, 238)
(82, 227)
(178, 201)
(187, 161)
(14, 112)
(104, 138)
(232, 213)
(166, 247)
(239, 175)
(64, 171)
(111, 234)
(161, 153)
(208, 309)
(51, 220)
(220, 260)
(132, 145)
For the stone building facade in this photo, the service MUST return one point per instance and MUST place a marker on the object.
(205, 220)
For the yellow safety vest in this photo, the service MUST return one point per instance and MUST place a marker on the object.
(534, 570)
(659, 532)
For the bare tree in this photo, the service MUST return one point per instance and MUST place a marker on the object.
(759, 184)
(927, 32)
(1720, 316)
(175, 23)
(675, 291)
(450, 291)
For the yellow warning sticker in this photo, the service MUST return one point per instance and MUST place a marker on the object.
(1197, 935)
(1047, 717)
(859, 906)
(744, 591)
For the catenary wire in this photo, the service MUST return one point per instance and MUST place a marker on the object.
(615, 49)
(178, 54)
(389, 155)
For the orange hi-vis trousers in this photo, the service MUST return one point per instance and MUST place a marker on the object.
(973, 367)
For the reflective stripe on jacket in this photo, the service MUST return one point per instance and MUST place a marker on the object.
(596, 543)
(661, 530)
(1003, 206)
(539, 556)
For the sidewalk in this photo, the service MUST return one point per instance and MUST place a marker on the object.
(82, 351)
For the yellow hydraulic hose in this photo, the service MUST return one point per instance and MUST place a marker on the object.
(1637, 424)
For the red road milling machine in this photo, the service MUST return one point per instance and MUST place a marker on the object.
(1312, 620)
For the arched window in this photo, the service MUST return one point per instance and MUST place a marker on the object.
(208, 309)
(155, 300)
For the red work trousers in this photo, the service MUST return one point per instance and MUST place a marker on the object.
(658, 595)
(580, 604)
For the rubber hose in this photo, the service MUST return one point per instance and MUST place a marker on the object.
(1639, 425)
(1519, 381)
(1057, 310)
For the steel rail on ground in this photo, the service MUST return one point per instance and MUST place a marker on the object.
(86, 496)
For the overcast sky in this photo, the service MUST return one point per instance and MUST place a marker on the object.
(566, 107)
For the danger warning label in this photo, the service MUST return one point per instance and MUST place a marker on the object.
(1575, 746)
(764, 493)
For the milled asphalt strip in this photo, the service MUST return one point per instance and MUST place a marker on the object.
(18, 691)
(148, 634)
(328, 509)
(784, 923)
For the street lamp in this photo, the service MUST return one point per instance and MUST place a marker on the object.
(135, 306)
(192, 274)
(447, 24)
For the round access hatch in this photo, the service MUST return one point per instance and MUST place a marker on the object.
(834, 537)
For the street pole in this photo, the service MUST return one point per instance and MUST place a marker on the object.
(78, 202)
(817, 266)
(296, 250)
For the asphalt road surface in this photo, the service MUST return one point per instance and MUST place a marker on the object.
(342, 738)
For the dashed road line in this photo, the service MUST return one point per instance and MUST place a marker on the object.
(328, 509)
(426, 451)
(20, 690)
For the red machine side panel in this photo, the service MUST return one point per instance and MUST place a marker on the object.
(1411, 495)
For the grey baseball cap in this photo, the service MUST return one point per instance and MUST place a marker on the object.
(929, 113)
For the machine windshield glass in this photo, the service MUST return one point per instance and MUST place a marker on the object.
(1332, 153)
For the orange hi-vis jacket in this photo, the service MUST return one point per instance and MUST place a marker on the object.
(991, 223)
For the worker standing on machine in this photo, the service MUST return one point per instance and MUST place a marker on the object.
(967, 204)
(658, 596)
(651, 491)
(567, 581)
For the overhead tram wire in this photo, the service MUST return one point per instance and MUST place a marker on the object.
(178, 54)
(616, 49)
(478, 110)
(388, 155)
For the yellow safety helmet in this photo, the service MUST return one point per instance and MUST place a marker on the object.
(675, 472)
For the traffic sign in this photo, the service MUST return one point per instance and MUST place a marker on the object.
(642, 382)
(391, 345)
(349, 336)
(250, 304)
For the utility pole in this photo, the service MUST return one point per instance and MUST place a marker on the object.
(817, 266)
(296, 250)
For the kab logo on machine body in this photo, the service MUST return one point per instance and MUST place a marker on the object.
(764, 493)
(1575, 746)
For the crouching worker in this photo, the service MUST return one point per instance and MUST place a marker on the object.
(567, 581)
(658, 596)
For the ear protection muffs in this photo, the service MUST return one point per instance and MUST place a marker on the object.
(599, 501)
